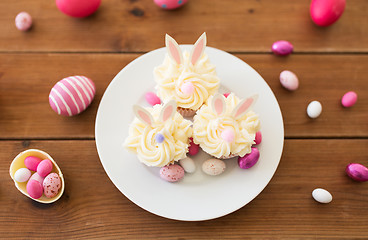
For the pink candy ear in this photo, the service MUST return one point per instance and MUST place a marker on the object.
(198, 49)
(143, 115)
(244, 106)
(168, 111)
(218, 104)
(173, 49)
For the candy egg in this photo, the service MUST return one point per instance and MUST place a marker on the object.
(51, 185)
(249, 160)
(258, 138)
(172, 173)
(213, 166)
(349, 99)
(282, 48)
(152, 98)
(32, 162)
(326, 12)
(44, 168)
(72, 95)
(78, 8)
(34, 188)
(314, 109)
(23, 21)
(193, 148)
(170, 4)
(357, 171)
(322, 195)
(226, 94)
(22, 175)
(289, 80)
(188, 165)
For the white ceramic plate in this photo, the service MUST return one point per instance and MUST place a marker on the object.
(197, 196)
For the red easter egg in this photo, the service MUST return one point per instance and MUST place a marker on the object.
(170, 4)
(326, 12)
(78, 8)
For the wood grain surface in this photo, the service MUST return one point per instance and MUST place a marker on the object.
(328, 61)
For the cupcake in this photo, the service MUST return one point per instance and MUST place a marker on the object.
(188, 78)
(226, 127)
(159, 135)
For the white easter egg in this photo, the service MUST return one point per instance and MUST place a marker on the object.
(213, 166)
(314, 109)
(322, 195)
(22, 175)
(188, 165)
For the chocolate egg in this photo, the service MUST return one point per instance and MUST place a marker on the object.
(357, 171)
(249, 160)
(72, 95)
(282, 48)
(78, 8)
(170, 4)
(326, 12)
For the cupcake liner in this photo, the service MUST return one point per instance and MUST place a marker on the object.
(186, 112)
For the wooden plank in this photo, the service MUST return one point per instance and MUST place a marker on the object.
(139, 25)
(28, 78)
(93, 208)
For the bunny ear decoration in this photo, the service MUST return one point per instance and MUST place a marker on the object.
(143, 115)
(198, 49)
(218, 104)
(168, 111)
(173, 49)
(244, 106)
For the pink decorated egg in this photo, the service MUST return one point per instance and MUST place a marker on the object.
(23, 21)
(326, 12)
(72, 95)
(152, 98)
(172, 173)
(34, 189)
(32, 162)
(78, 8)
(51, 185)
(170, 4)
(44, 168)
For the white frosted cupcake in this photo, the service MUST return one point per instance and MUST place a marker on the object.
(226, 127)
(188, 78)
(159, 135)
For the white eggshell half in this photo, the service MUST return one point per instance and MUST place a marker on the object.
(18, 163)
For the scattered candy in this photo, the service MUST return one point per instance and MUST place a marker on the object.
(282, 48)
(188, 165)
(78, 8)
(22, 175)
(44, 168)
(72, 95)
(34, 189)
(357, 171)
(226, 94)
(193, 148)
(326, 12)
(172, 173)
(51, 185)
(152, 98)
(159, 138)
(322, 195)
(289, 80)
(314, 109)
(213, 166)
(170, 4)
(258, 138)
(349, 99)
(249, 160)
(23, 21)
(37, 177)
(32, 162)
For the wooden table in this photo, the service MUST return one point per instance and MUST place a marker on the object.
(329, 62)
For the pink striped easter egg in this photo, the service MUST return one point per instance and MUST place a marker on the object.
(72, 95)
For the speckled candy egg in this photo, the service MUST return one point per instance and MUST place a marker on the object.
(172, 173)
(213, 167)
(72, 95)
(78, 8)
(51, 185)
(170, 4)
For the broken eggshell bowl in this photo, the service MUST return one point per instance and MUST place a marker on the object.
(18, 163)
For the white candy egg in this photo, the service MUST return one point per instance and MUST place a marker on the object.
(188, 165)
(213, 166)
(314, 109)
(22, 175)
(322, 195)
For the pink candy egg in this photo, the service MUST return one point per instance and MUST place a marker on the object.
(258, 138)
(249, 160)
(51, 185)
(23, 21)
(357, 171)
(34, 189)
(22, 175)
(326, 12)
(282, 48)
(32, 162)
(152, 98)
(349, 99)
(289, 80)
(44, 168)
(72, 95)
(170, 4)
(35, 176)
(172, 173)
(78, 8)
(193, 148)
